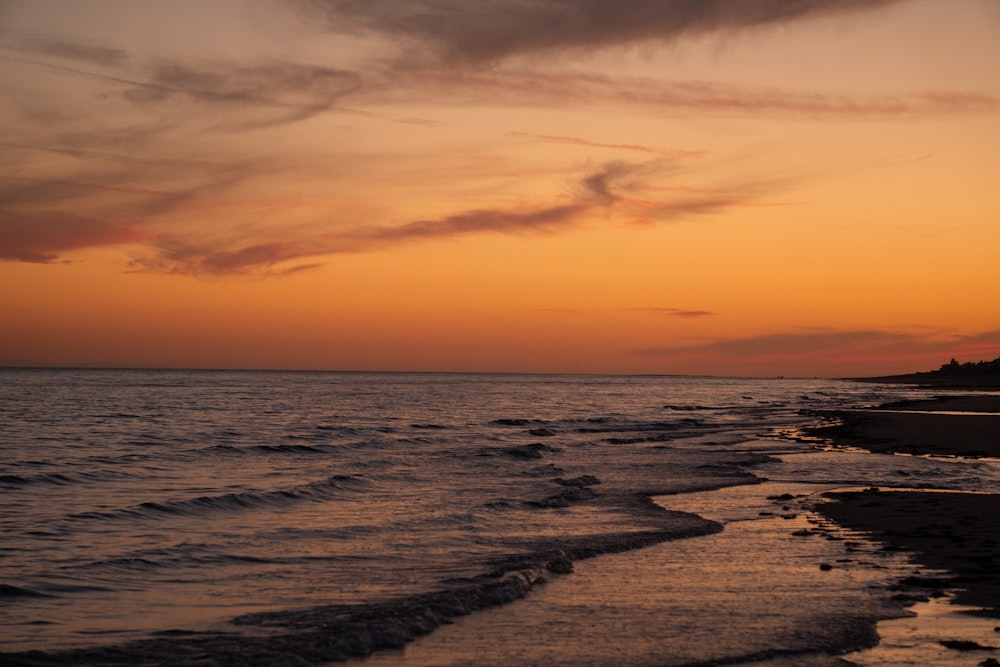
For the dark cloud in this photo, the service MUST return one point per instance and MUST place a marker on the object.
(41, 237)
(604, 182)
(178, 256)
(489, 30)
(104, 199)
(675, 312)
(70, 49)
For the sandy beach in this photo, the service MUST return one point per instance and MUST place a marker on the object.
(957, 532)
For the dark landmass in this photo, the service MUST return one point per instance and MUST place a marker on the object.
(956, 532)
(953, 375)
(955, 403)
(920, 431)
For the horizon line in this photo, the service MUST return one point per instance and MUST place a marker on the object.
(4, 366)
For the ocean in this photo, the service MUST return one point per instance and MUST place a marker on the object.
(186, 517)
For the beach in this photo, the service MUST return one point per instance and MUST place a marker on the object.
(955, 532)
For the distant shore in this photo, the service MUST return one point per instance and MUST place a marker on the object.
(957, 532)
(984, 375)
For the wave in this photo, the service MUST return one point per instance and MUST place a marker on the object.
(535, 450)
(517, 422)
(51, 590)
(289, 448)
(315, 491)
(62, 479)
(633, 427)
(9, 591)
(610, 425)
(294, 449)
(338, 632)
(356, 430)
(190, 558)
(692, 408)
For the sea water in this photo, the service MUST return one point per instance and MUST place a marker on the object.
(184, 514)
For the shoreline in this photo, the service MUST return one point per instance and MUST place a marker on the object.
(958, 532)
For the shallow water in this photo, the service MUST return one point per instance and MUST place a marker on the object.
(751, 590)
(159, 503)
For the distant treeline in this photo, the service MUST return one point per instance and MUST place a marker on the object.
(970, 368)
(973, 374)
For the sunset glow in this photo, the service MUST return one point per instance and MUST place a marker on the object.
(756, 187)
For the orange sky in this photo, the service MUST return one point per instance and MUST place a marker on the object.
(746, 187)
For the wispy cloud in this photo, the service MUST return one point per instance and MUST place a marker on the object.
(230, 256)
(610, 187)
(290, 91)
(279, 92)
(561, 87)
(302, 90)
(577, 141)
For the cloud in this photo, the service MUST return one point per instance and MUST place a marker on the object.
(667, 152)
(177, 255)
(74, 50)
(228, 256)
(490, 30)
(519, 86)
(608, 187)
(541, 220)
(611, 177)
(293, 91)
(41, 237)
(830, 352)
(303, 90)
(674, 312)
(827, 343)
(107, 156)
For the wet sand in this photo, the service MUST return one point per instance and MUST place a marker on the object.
(956, 532)
(921, 430)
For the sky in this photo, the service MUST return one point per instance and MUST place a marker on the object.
(723, 187)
